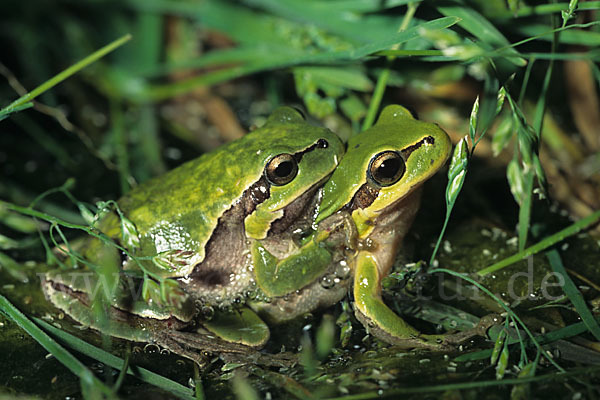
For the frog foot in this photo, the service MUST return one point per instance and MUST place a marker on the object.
(444, 342)
(279, 360)
(480, 329)
(200, 347)
(410, 341)
(184, 344)
(386, 325)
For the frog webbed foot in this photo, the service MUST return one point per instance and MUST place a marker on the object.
(186, 345)
(201, 347)
(278, 360)
(386, 325)
(481, 329)
(235, 336)
(410, 340)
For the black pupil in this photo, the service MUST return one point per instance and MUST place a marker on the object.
(284, 169)
(389, 168)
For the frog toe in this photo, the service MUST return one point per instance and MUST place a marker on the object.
(241, 326)
(410, 341)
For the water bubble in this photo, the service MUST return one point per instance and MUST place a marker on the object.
(151, 348)
(328, 281)
(225, 307)
(207, 312)
(342, 270)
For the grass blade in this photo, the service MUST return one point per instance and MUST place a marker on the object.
(543, 244)
(482, 29)
(116, 362)
(573, 293)
(50, 83)
(61, 354)
(287, 59)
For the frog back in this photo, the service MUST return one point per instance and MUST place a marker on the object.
(181, 210)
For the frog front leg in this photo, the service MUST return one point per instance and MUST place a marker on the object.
(277, 277)
(381, 321)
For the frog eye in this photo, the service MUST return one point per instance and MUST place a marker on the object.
(386, 168)
(281, 169)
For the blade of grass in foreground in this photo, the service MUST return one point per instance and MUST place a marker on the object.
(23, 101)
(573, 293)
(543, 244)
(116, 362)
(61, 354)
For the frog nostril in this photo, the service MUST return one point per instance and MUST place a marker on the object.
(322, 144)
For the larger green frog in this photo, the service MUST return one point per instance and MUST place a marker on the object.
(194, 235)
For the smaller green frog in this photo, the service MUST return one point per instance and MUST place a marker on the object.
(377, 186)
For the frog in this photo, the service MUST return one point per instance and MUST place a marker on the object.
(376, 191)
(211, 236)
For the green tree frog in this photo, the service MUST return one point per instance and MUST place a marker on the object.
(199, 231)
(378, 184)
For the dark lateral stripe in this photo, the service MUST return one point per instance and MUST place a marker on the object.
(364, 197)
(81, 296)
(408, 151)
(261, 189)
